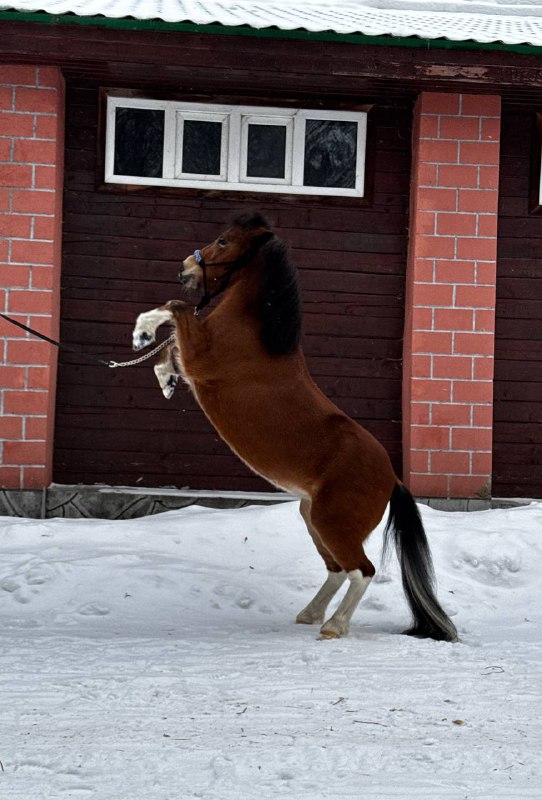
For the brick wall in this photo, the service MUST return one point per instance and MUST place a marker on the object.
(31, 158)
(449, 335)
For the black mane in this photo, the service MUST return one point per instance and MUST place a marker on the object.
(280, 300)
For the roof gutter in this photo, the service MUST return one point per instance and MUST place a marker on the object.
(130, 23)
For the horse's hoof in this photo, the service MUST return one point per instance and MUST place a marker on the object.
(141, 339)
(329, 634)
(306, 618)
(333, 629)
(170, 386)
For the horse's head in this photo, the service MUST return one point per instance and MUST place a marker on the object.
(236, 250)
(211, 267)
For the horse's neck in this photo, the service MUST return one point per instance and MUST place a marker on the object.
(240, 302)
(235, 327)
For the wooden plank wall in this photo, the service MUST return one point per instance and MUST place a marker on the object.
(517, 463)
(121, 256)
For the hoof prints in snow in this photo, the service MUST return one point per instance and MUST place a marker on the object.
(93, 610)
(159, 659)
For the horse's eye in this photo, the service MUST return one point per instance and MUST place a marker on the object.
(222, 242)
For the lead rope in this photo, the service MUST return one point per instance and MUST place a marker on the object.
(141, 359)
(103, 362)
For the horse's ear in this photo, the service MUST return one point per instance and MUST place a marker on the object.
(262, 238)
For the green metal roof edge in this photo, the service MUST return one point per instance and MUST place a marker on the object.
(130, 23)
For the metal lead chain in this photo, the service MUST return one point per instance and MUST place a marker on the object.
(114, 364)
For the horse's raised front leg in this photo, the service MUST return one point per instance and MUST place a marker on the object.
(147, 324)
(192, 337)
(192, 342)
(167, 370)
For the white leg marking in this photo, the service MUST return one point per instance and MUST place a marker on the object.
(167, 377)
(146, 326)
(339, 623)
(316, 609)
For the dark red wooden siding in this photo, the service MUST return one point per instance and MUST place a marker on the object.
(121, 256)
(517, 465)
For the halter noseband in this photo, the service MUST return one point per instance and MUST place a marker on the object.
(207, 295)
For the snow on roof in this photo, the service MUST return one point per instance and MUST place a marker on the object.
(508, 21)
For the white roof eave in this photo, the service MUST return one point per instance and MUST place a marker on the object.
(509, 23)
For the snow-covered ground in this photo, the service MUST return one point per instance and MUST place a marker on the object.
(157, 659)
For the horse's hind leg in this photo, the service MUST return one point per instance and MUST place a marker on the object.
(167, 370)
(342, 534)
(339, 624)
(316, 609)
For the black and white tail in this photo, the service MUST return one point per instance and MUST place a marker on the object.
(406, 527)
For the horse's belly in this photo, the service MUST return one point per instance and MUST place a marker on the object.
(280, 475)
(269, 451)
(274, 478)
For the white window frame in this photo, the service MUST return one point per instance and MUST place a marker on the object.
(260, 119)
(180, 118)
(235, 120)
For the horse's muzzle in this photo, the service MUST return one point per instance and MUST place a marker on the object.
(189, 273)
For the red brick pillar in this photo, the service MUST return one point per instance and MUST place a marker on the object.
(31, 175)
(449, 335)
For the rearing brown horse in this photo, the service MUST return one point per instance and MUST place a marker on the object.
(245, 366)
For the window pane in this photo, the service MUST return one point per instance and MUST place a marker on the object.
(139, 142)
(202, 143)
(266, 151)
(330, 153)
